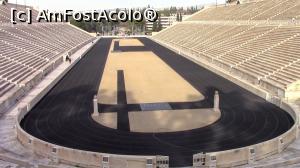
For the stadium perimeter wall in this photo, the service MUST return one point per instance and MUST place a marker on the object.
(68, 155)
(249, 154)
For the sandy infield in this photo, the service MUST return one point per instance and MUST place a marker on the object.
(107, 119)
(147, 79)
(130, 42)
(171, 120)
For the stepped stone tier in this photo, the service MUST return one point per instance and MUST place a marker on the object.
(29, 52)
(257, 41)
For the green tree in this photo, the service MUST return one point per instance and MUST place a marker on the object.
(180, 17)
(154, 27)
(78, 24)
(159, 28)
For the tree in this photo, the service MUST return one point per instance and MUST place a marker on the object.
(78, 24)
(180, 17)
(154, 27)
(165, 12)
(105, 27)
(159, 24)
(177, 17)
(173, 10)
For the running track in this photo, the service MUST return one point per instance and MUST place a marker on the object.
(63, 116)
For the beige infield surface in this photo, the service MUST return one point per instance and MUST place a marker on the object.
(148, 79)
(130, 42)
(107, 119)
(171, 120)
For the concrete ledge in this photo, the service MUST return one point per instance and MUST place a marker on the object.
(11, 98)
(272, 88)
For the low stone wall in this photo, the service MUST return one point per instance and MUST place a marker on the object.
(245, 76)
(275, 90)
(11, 98)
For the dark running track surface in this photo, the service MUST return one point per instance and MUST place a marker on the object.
(63, 116)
